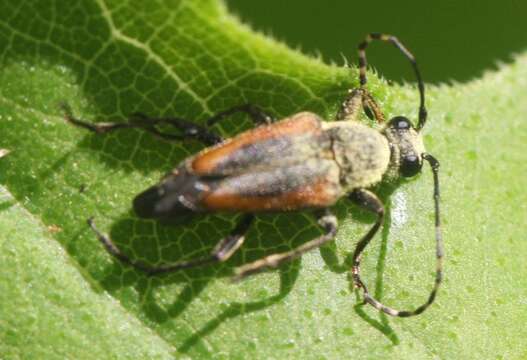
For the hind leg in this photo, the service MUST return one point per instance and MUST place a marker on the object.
(221, 252)
(187, 129)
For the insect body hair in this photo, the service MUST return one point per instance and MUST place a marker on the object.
(362, 153)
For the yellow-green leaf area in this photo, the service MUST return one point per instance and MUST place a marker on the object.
(63, 296)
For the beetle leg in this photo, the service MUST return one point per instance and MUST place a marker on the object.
(371, 202)
(356, 100)
(141, 121)
(257, 115)
(328, 221)
(221, 252)
(371, 108)
(351, 106)
(188, 129)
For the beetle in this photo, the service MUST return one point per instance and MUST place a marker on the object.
(300, 162)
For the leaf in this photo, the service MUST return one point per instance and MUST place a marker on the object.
(62, 296)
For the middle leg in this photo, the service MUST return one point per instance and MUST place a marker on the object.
(328, 222)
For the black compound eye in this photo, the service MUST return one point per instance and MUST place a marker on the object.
(410, 165)
(400, 123)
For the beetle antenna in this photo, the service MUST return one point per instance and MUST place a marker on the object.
(363, 63)
(434, 164)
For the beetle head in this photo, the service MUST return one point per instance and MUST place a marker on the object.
(406, 145)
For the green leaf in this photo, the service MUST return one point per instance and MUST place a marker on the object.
(63, 296)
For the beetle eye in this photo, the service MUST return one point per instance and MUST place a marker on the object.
(400, 123)
(410, 165)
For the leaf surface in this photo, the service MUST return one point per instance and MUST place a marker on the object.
(61, 294)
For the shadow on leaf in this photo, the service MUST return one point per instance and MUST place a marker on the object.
(194, 239)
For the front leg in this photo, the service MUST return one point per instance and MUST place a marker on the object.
(356, 100)
(370, 202)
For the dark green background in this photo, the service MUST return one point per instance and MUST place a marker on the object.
(453, 40)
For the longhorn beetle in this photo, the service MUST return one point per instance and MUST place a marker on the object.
(300, 162)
